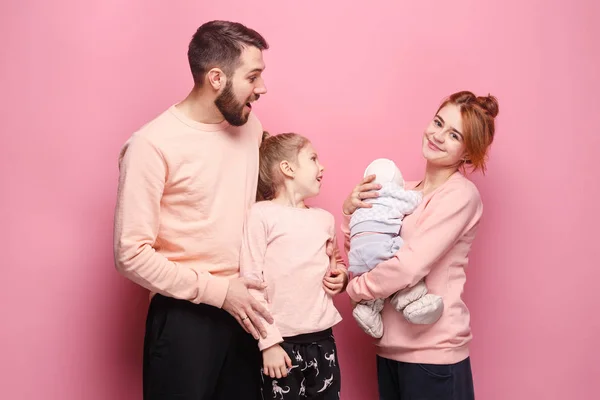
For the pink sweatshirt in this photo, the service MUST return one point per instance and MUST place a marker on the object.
(286, 248)
(184, 189)
(437, 239)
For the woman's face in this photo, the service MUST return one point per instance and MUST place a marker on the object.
(443, 140)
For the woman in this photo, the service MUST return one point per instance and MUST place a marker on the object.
(432, 361)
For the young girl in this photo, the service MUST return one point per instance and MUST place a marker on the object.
(285, 245)
(432, 361)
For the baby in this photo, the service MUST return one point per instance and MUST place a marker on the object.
(375, 238)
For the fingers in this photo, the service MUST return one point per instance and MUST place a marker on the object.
(276, 371)
(329, 291)
(333, 280)
(358, 203)
(332, 288)
(253, 284)
(368, 178)
(368, 187)
(267, 370)
(335, 276)
(254, 324)
(364, 190)
(256, 306)
(283, 370)
(335, 287)
(249, 326)
(288, 361)
(361, 204)
(368, 195)
(263, 312)
(239, 320)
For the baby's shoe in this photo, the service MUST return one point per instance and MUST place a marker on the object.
(368, 316)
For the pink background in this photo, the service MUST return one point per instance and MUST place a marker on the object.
(79, 77)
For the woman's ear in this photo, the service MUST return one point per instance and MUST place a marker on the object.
(287, 169)
(466, 159)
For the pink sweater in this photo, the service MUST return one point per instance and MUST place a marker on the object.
(184, 189)
(286, 248)
(437, 239)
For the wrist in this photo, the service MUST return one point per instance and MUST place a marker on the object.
(346, 280)
(269, 347)
(347, 210)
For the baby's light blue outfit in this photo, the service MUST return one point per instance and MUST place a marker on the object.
(380, 226)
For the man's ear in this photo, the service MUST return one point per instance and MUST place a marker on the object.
(287, 169)
(216, 78)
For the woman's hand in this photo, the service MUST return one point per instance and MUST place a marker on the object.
(335, 281)
(364, 190)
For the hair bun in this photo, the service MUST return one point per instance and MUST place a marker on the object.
(265, 135)
(490, 104)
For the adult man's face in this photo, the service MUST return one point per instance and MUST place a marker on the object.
(243, 88)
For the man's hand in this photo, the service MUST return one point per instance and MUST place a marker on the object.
(276, 362)
(244, 307)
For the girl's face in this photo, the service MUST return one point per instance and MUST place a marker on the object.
(308, 172)
(443, 140)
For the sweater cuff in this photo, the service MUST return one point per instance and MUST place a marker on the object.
(215, 291)
(271, 340)
(350, 291)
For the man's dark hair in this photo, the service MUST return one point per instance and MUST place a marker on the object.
(219, 44)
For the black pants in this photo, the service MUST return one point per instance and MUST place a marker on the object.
(197, 352)
(315, 372)
(405, 381)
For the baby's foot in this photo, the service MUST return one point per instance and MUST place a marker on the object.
(368, 316)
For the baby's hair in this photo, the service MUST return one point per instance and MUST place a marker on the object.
(274, 150)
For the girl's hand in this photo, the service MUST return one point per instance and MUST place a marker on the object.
(364, 190)
(335, 281)
(276, 362)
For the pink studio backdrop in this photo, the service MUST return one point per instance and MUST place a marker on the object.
(361, 80)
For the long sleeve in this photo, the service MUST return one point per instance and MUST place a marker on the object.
(252, 258)
(337, 254)
(448, 215)
(345, 227)
(143, 172)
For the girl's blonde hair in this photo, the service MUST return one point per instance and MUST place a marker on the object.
(274, 150)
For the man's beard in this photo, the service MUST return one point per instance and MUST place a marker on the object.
(232, 110)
